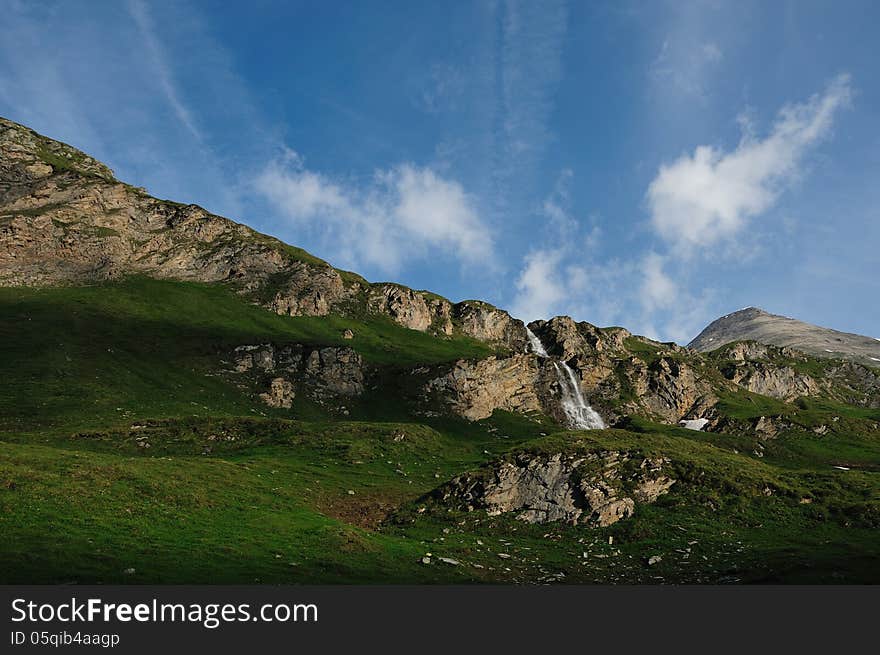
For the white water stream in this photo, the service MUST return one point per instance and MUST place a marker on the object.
(579, 414)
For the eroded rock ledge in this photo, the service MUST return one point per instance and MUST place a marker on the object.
(322, 372)
(594, 489)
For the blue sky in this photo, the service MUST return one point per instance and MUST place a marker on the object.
(645, 164)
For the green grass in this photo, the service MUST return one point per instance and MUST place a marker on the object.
(123, 445)
(273, 505)
(141, 348)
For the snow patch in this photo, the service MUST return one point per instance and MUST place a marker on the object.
(694, 424)
(828, 351)
(875, 359)
(842, 468)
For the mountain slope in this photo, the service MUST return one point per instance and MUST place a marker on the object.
(65, 219)
(183, 399)
(753, 324)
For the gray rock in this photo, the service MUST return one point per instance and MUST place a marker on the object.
(591, 488)
(753, 324)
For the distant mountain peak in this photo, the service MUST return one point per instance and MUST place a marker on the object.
(756, 324)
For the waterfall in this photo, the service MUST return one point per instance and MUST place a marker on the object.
(535, 343)
(579, 414)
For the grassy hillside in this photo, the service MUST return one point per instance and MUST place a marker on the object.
(232, 491)
(80, 357)
(304, 502)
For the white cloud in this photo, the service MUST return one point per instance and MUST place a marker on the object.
(684, 64)
(703, 198)
(657, 290)
(405, 213)
(541, 286)
(556, 279)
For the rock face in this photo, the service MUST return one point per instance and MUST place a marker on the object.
(753, 324)
(321, 372)
(416, 310)
(280, 393)
(853, 384)
(668, 388)
(523, 383)
(307, 290)
(65, 219)
(566, 339)
(611, 367)
(780, 373)
(594, 488)
(783, 382)
(487, 323)
(639, 375)
(475, 389)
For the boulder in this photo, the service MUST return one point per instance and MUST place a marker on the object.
(280, 393)
(593, 488)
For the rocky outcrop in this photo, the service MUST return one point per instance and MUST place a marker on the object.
(853, 384)
(28, 156)
(594, 488)
(482, 321)
(475, 389)
(779, 372)
(672, 388)
(64, 219)
(619, 369)
(321, 372)
(665, 388)
(566, 339)
(416, 310)
(657, 382)
(280, 393)
(311, 291)
(781, 382)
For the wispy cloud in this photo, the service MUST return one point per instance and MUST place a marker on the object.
(528, 70)
(695, 203)
(705, 203)
(120, 99)
(405, 213)
(141, 15)
(700, 199)
(441, 89)
(683, 65)
(558, 274)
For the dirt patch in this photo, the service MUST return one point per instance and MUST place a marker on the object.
(361, 509)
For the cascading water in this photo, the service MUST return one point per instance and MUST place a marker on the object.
(579, 414)
(582, 416)
(535, 343)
